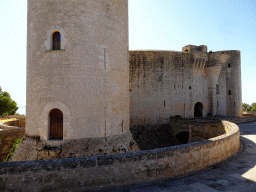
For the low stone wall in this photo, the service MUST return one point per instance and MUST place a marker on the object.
(205, 129)
(236, 120)
(245, 113)
(105, 171)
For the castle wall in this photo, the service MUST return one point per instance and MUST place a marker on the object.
(164, 84)
(88, 78)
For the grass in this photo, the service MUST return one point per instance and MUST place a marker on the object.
(15, 145)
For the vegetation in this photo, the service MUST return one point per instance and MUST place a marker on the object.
(247, 107)
(7, 105)
(17, 142)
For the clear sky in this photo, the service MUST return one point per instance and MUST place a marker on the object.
(153, 24)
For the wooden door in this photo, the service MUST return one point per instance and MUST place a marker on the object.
(56, 124)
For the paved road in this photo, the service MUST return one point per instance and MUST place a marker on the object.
(235, 175)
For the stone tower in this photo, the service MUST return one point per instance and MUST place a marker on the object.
(77, 69)
(232, 66)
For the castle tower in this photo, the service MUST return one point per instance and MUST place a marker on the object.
(232, 65)
(77, 69)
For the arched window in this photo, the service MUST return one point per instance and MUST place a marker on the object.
(56, 124)
(229, 65)
(56, 39)
(229, 92)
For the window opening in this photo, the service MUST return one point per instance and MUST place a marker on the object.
(56, 39)
(229, 65)
(217, 89)
(105, 58)
(229, 92)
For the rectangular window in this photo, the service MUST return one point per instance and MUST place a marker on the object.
(105, 58)
(217, 89)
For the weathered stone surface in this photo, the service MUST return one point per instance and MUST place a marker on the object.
(170, 83)
(30, 149)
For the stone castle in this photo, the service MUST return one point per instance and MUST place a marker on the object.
(89, 97)
(191, 83)
(83, 82)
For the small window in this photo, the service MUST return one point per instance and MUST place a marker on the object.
(234, 103)
(229, 92)
(229, 65)
(217, 89)
(174, 86)
(217, 103)
(190, 87)
(164, 103)
(56, 39)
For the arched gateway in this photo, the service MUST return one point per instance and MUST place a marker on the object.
(198, 110)
(56, 124)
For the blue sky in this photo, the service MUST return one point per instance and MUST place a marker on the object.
(153, 24)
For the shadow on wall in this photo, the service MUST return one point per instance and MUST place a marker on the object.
(153, 136)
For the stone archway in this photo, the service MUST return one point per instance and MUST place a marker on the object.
(183, 137)
(56, 124)
(198, 110)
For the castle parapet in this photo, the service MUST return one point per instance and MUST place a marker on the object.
(200, 57)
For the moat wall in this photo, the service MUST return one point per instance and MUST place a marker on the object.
(97, 172)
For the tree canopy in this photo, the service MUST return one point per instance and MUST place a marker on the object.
(246, 107)
(253, 106)
(7, 105)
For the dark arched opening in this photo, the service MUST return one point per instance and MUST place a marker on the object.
(56, 39)
(183, 137)
(56, 124)
(198, 111)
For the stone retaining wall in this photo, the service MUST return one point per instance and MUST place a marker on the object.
(97, 172)
(31, 149)
(249, 113)
(8, 134)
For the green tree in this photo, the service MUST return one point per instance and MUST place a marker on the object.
(246, 107)
(7, 105)
(253, 106)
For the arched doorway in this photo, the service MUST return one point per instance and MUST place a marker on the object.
(198, 111)
(183, 137)
(56, 124)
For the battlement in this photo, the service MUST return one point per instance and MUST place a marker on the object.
(194, 48)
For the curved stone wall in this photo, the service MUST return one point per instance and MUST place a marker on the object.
(97, 172)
